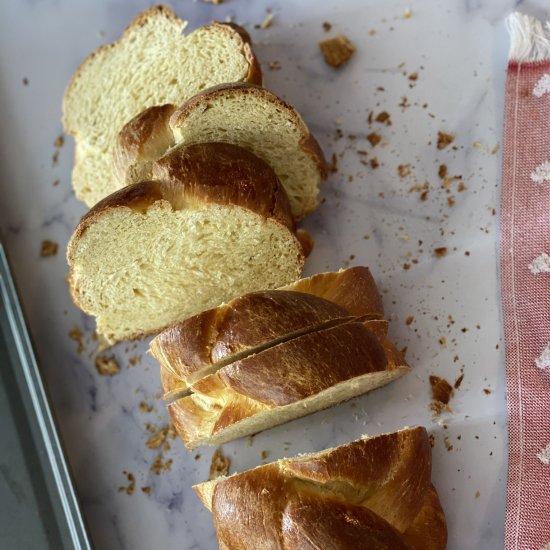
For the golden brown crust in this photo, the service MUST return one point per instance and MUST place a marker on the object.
(307, 142)
(244, 324)
(354, 289)
(225, 174)
(141, 141)
(374, 493)
(305, 366)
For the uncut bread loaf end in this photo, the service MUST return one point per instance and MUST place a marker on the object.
(213, 224)
(152, 64)
(373, 493)
(240, 113)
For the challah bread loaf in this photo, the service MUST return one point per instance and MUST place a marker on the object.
(153, 63)
(192, 348)
(374, 493)
(239, 113)
(286, 381)
(213, 225)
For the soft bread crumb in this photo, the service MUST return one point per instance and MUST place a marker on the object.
(106, 366)
(49, 248)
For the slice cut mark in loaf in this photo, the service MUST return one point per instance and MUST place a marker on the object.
(240, 113)
(371, 493)
(200, 345)
(215, 224)
(153, 63)
(194, 347)
(292, 379)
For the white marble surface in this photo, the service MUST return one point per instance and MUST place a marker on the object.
(458, 48)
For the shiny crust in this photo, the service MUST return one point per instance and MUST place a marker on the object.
(354, 289)
(371, 493)
(252, 320)
(279, 376)
(211, 173)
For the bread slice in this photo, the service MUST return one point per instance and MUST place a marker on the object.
(152, 64)
(201, 344)
(286, 381)
(214, 224)
(371, 493)
(240, 113)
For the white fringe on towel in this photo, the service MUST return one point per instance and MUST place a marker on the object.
(530, 39)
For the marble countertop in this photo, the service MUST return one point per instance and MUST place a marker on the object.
(433, 66)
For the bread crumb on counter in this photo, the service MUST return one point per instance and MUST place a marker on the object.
(443, 140)
(106, 366)
(337, 51)
(326, 26)
(441, 389)
(266, 23)
(76, 334)
(159, 466)
(130, 488)
(145, 407)
(59, 141)
(440, 252)
(219, 465)
(49, 248)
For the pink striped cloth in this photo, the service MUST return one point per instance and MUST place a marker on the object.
(525, 283)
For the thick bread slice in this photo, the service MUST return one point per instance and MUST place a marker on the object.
(252, 323)
(152, 64)
(371, 493)
(245, 325)
(284, 382)
(243, 114)
(214, 225)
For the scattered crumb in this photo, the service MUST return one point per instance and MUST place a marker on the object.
(478, 494)
(274, 66)
(374, 138)
(157, 438)
(219, 465)
(404, 102)
(197, 456)
(266, 23)
(337, 51)
(159, 466)
(216, 2)
(442, 391)
(487, 391)
(49, 248)
(404, 170)
(55, 158)
(432, 440)
(250, 440)
(129, 489)
(443, 341)
(106, 366)
(407, 14)
(59, 141)
(146, 489)
(384, 116)
(25, 81)
(374, 162)
(264, 454)
(327, 26)
(333, 166)
(413, 77)
(145, 407)
(448, 444)
(409, 320)
(55, 183)
(444, 139)
(133, 361)
(458, 381)
(440, 252)
(76, 334)
(442, 172)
